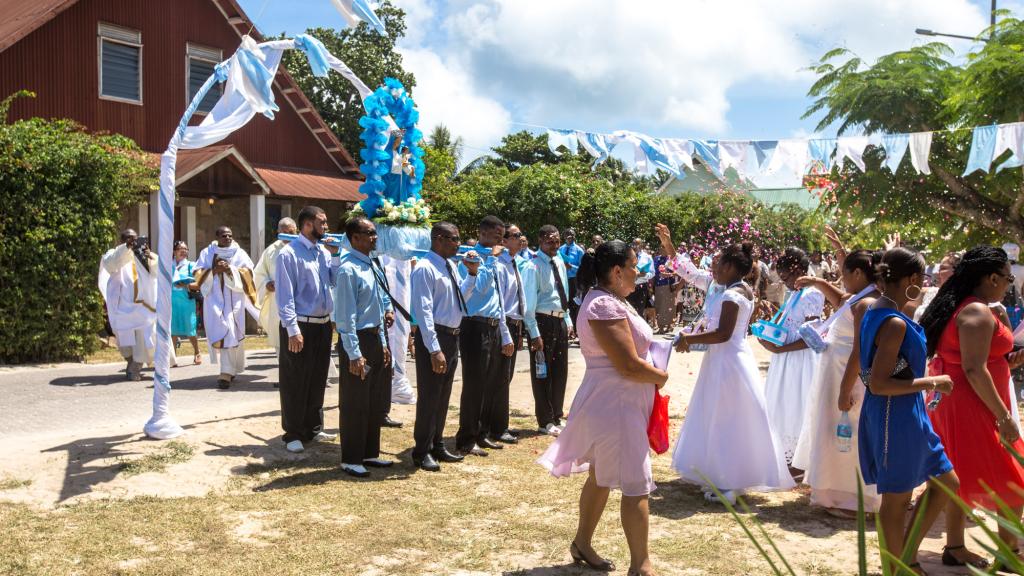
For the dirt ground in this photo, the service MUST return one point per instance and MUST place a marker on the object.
(228, 499)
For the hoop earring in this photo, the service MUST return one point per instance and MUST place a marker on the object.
(907, 292)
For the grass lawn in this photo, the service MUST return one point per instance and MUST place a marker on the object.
(495, 515)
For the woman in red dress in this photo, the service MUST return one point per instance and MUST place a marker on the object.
(973, 344)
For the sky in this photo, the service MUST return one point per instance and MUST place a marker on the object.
(716, 69)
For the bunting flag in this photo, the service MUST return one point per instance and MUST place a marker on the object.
(785, 163)
(356, 11)
(982, 147)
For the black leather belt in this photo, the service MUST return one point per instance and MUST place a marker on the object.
(374, 331)
(447, 330)
(552, 316)
(492, 322)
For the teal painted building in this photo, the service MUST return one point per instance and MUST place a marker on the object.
(700, 180)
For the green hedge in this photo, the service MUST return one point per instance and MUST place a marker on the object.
(63, 191)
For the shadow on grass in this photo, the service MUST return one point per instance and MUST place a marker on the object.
(677, 500)
(556, 570)
(320, 464)
(90, 460)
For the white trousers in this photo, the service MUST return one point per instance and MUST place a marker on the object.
(232, 360)
(137, 352)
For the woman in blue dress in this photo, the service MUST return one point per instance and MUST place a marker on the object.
(183, 306)
(899, 450)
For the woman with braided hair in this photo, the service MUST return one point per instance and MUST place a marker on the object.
(972, 344)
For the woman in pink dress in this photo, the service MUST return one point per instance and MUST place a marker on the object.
(606, 433)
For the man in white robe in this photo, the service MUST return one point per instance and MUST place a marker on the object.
(128, 283)
(224, 273)
(264, 275)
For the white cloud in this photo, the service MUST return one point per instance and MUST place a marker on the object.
(662, 66)
(445, 94)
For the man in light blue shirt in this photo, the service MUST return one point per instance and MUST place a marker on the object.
(483, 341)
(549, 326)
(304, 281)
(571, 254)
(513, 295)
(362, 312)
(438, 299)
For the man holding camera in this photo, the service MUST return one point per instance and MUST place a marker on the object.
(128, 280)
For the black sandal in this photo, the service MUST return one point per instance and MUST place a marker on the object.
(948, 559)
(916, 566)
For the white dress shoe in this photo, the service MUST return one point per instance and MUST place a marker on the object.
(294, 446)
(324, 437)
(357, 470)
(550, 430)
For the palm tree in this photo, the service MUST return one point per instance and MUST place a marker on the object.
(441, 139)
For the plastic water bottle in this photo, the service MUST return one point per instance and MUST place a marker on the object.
(844, 432)
(542, 366)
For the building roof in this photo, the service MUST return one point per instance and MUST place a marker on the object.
(192, 162)
(295, 183)
(20, 17)
(701, 181)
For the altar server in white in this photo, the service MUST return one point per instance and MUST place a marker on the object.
(128, 283)
(224, 273)
(263, 276)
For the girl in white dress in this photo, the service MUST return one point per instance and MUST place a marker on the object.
(726, 437)
(831, 474)
(791, 371)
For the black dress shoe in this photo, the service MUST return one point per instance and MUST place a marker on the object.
(389, 423)
(427, 463)
(512, 433)
(474, 450)
(489, 444)
(508, 438)
(443, 455)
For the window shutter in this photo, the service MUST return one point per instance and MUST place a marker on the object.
(121, 69)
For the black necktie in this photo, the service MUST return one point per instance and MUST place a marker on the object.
(558, 285)
(519, 288)
(456, 287)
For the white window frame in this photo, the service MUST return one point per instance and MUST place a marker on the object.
(203, 54)
(118, 35)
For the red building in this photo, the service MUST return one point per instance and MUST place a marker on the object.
(132, 66)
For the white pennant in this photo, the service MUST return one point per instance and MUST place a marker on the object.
(920, 149)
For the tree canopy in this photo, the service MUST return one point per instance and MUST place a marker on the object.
(63, 191)
(370, 55)
(918, 90)
(525, 184)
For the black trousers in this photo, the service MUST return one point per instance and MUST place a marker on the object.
(433, 391)
(549, 393)
(303, 378)
(499, 408)
(480, 347)
(574, 308)
(363, 402)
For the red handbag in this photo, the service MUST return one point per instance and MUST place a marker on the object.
(657, 426)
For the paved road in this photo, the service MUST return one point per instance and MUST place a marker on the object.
(69, 397)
